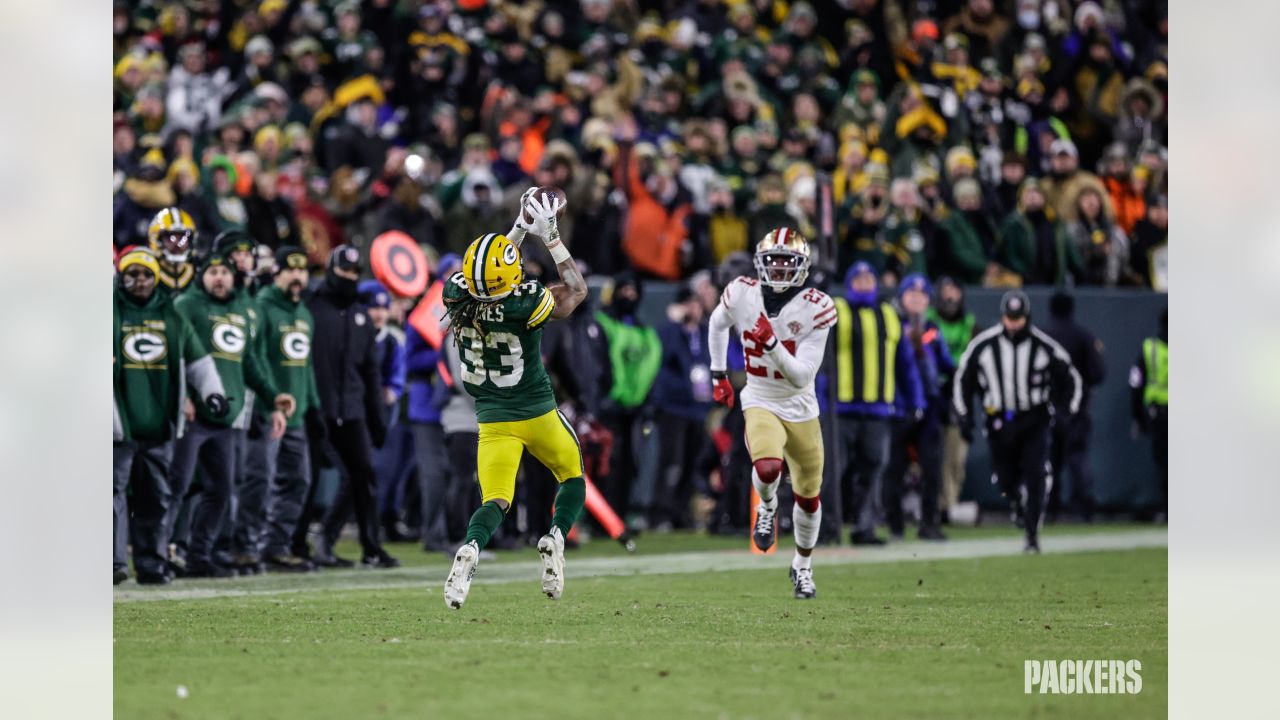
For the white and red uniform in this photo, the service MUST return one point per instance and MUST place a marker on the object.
(780, 381)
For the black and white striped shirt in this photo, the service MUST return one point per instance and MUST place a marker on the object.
(1015, 375)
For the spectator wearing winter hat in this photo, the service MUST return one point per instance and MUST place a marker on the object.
(222, 318)
(923, 433)
(869, 347)
(981, 25)
(1066, 179)
(195, 94)
(909, 233)
(1126, 186)
(1102, 246)
(968, 238)
(1035, 244)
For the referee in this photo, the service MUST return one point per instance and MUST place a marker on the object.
(1024, 377)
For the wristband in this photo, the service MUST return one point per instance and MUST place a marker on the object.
(559, 253)
(719, 375)
(516, 236)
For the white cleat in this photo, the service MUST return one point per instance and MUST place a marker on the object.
(459, 582)
(551, 548)
(802, 579)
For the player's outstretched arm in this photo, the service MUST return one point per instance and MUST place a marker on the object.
(523, 226)
(718, 337)
(570, 293)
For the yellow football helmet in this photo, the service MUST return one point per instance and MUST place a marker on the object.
(782, 259)
(171, 235)
(492, 267)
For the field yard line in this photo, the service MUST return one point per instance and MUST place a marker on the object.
(673, 563)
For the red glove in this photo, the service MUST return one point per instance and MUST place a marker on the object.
(721, 389)
(762, 333)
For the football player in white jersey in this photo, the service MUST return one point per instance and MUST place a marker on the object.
(783, 328)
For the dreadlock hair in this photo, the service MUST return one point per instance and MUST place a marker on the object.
(464, 311)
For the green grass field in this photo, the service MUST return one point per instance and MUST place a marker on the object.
(890, 635)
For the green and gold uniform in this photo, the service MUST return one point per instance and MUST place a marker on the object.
(501, 361)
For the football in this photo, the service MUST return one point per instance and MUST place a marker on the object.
(543, 193)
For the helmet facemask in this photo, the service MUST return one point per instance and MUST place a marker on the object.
(782, 269)
(175, 246)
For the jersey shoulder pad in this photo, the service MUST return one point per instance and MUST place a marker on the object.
(738, 289)
(455, 287)
(824, 308)
(530, 303)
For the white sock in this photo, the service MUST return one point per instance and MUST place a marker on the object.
(806, 526)
(802, 562)
(768, 492)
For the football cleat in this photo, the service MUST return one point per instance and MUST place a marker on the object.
(765, 533)
(459, 582)
(551, 548)
(802, 579)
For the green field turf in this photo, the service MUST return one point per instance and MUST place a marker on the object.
(920, 638)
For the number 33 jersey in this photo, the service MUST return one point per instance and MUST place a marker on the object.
(801, 327)
(501, 361)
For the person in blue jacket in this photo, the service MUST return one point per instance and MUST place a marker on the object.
(921, 431)
(393, 462)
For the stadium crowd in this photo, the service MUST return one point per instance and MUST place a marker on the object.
(964, 143)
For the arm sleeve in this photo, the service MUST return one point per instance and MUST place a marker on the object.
(372, 379)
(800, 369)
(256, 375)
(909, 374)
(420, 358)
(202, 373)
(965, 383)
(398, 369)
(1065, 374)
(718, 337)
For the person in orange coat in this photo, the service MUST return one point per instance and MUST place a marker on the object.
(655, 234)
(1126, 186)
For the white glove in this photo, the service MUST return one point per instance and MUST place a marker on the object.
(522, 226)
(544, 213)
(544, 218)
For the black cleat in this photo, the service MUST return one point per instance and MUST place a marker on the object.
(1032, 548)
(288, 563)
(148, 578)
(382, 561)
(330, 560)
(209, 570)
(119, 575)
(802, 579)
(765, 532)
(931, 532)
(865, 538)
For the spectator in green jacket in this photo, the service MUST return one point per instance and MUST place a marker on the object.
(151, 343)
(1034, 243)
(277, 472)
(968, 238)
(220, 315)
(958, 327)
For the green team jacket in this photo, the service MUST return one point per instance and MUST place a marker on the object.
(502, 360)
(224, 326)
(635, 356)
(154, 352)
(285, 337)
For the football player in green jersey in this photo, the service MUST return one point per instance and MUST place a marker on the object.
(497, 319)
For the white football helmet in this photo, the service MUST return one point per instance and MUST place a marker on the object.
(782, 259)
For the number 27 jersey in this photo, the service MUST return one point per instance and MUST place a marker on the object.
(502, 363)
(799, 326)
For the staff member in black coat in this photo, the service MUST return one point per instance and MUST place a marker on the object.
(1070, 449)
(1025, 377)
(350, 387)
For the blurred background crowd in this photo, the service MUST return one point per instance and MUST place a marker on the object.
(976, 143)
(997, 142)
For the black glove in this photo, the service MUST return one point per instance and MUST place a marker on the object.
(378, 433)
(317, 430)
(966, 430)
(217, 405)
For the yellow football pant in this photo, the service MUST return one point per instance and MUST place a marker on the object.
(547, 437)
(800, 444)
